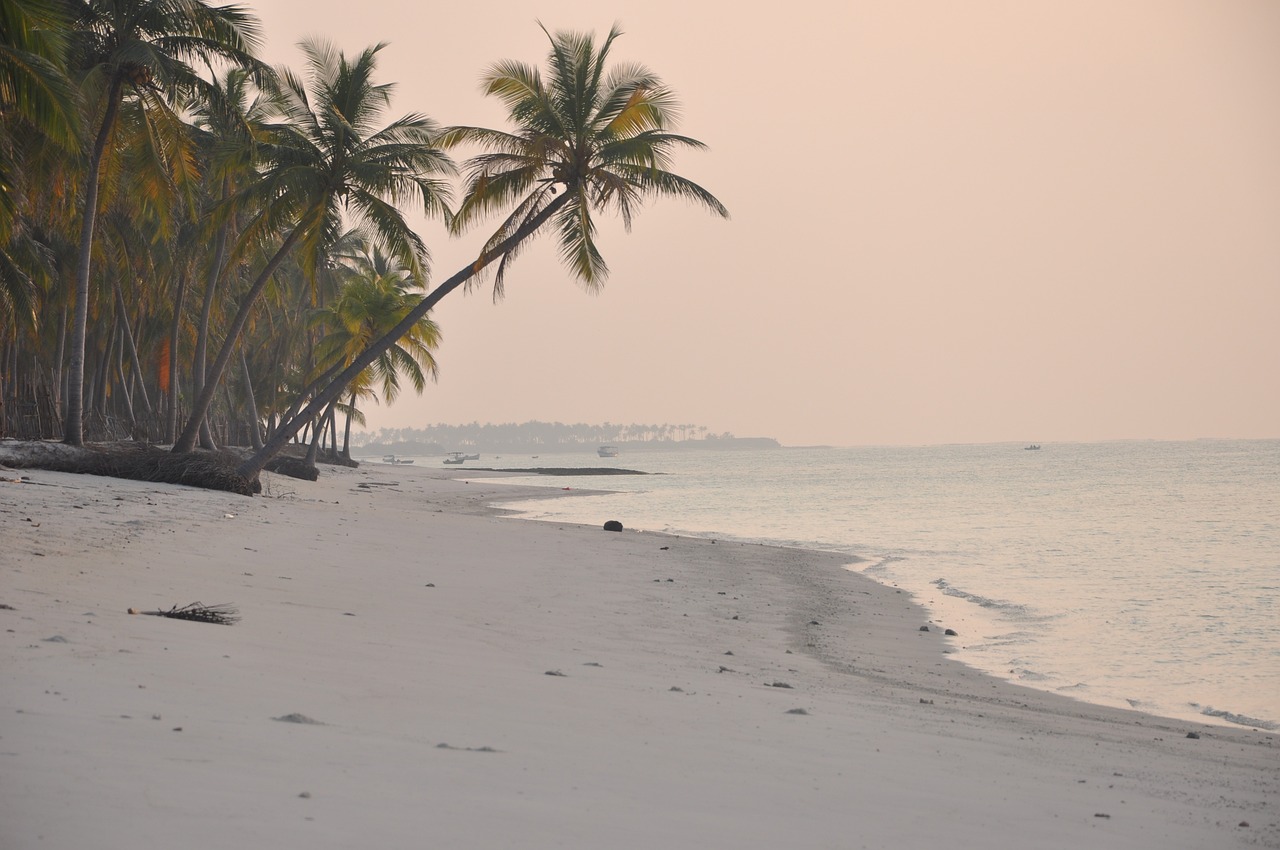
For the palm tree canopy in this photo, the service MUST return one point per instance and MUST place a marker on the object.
(601, 135)
(329, 157)
(375, 296)
(150, 44)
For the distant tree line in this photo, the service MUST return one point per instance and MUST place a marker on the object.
(510, 436)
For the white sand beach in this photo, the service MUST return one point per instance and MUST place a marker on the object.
(413, 670)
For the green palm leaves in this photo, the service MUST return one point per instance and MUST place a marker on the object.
(596, 138)
(376, 294)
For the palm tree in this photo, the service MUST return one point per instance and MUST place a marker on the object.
(326, 160)
(34, 87)
(376, 295)
(137, 49)
(37, 111)
(228, 121)
(586, 139)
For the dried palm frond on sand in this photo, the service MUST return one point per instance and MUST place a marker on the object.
(223, 615)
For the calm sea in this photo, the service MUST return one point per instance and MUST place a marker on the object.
(1142, 574)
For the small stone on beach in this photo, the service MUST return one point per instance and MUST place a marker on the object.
(796, 711)
(553, 673)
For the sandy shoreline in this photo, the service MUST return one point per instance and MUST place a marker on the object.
(419, 630)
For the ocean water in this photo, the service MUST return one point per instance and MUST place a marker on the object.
(1135, 574)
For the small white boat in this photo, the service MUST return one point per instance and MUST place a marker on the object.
(394, 459)
(607, 451)
(455, 458)
(1034, 447)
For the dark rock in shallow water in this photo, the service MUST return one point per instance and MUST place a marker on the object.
(924, 628)
(952, 633)
(613, 525)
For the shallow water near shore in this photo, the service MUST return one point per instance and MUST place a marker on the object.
(1141, 574)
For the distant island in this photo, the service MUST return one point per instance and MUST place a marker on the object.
(533, 437)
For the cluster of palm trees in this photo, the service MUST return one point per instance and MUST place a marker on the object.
(196, 248)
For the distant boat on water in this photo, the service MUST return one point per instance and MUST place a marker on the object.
(1033, 448)
(458, 457)
(394, 459)
(607, 451)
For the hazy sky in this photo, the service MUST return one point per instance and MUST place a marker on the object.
(952, 221)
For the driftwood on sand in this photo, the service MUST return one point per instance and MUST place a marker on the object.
(135, 461)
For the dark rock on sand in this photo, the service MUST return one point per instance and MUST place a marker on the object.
(952, 633)
(613, 525)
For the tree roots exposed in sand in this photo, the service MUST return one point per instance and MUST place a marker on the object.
(135, 461)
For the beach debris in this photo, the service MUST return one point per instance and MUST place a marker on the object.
(61, 639)
(295, 717)
(814, 623)
(305, 795)
(1195, 735)
(611, 525)
(554, 673)
(676, 689)
(592, 664)
(221, 614)
(444, 746)
(728, 652)
(924, 701)
(796, 711)
(664, 548)
(779, 685)
(1102, 815)
(724, 669)
(924, 628)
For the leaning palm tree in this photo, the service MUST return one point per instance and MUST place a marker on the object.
(137, 49)
(330, 158)
(586, 139)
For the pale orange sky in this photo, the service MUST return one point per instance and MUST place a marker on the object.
(952, 222)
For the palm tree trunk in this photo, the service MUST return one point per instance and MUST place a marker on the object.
(346, 434)
(187, 439)
(133, 346)
(255, 433)
(171, 425)
(73, 433)
(124, 386)
(202, 334)
(253, 465)
(57, 364)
